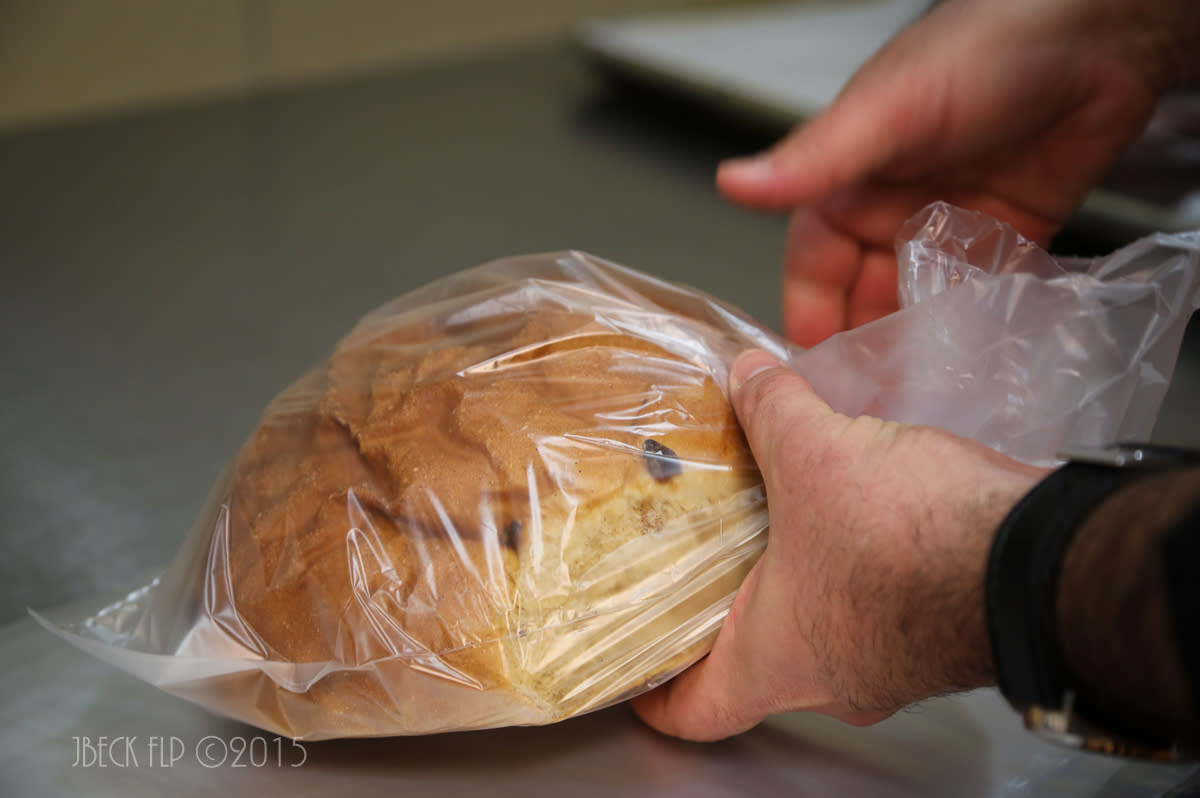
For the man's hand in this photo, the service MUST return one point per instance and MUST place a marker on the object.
(1015, 109)
(870, 593)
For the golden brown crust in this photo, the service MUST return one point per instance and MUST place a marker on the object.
(445, 496)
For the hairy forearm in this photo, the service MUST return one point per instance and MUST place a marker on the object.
(1114, 618)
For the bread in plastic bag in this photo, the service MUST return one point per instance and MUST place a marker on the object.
(515, 495)
(520, 494)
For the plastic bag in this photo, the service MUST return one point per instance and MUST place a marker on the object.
(1000, 342)
(519, 493)
(515, 495)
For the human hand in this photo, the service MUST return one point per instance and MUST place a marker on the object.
(1011, 108)
(869, 595)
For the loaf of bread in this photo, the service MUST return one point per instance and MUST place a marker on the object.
(482, 519)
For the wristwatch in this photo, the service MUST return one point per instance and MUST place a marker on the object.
(1020, 590)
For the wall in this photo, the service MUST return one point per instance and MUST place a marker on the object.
(63, 59)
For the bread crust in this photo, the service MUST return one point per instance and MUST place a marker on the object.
(515, 508)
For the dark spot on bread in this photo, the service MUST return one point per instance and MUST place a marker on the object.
(510, 536)
(661, 462)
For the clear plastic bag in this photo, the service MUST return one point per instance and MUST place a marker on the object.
(515, 495)
(520, 494)
(998, 341)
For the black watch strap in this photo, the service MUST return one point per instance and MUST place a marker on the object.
(1022, 580)
(1021, 588)
(1180, 556)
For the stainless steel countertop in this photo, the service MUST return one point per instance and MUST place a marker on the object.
(72, 726)
(166, 273)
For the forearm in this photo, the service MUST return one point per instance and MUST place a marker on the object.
(1114, 616)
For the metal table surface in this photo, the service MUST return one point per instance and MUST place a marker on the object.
(72, 726)
(165, 273)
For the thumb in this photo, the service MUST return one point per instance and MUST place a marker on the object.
(769, 398)
(839, 147)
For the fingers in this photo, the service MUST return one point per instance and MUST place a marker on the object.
(714, 698)
(820, 267)
(857, 136)
(842, 145)
(877, 292)
(759, 664)
(840, 265)
(765, 658)
(692, 706)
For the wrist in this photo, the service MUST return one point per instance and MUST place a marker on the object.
(948, 606)
(968, 661)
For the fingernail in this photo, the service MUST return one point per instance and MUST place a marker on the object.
(752, 169)
(750, 364)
